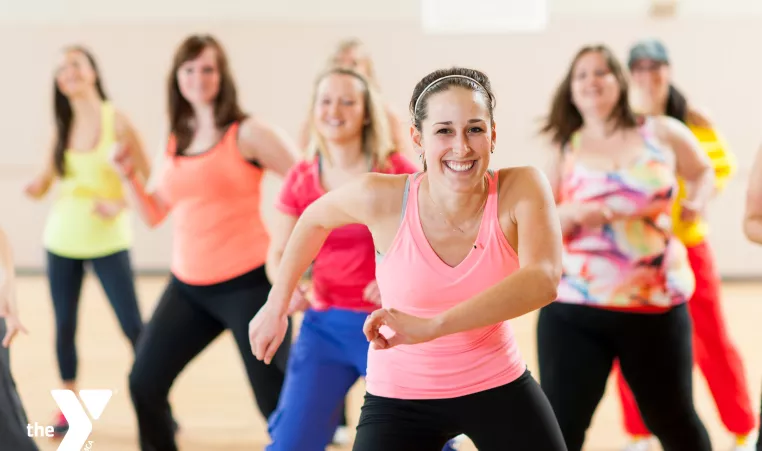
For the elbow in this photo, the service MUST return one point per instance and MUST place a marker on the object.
(548, 279)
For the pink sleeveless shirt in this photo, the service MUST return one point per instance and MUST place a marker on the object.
(413, 279)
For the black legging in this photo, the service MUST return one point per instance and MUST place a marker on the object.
(187, 319)
(65, 277)
(577, 346)
(515, 416)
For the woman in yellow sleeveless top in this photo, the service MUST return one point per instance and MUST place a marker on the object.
(89, 221)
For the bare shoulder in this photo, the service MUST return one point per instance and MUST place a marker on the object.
(668, 129)
(523, 187)
(253, 128)
(521, 181)
(383, 192)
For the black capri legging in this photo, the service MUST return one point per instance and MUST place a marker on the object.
(187, 319)
(577, 346)
(515, 416)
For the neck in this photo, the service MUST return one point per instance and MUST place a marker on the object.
(204, 117)
(599, 128)
(345, 155)
(86, 105)
(454, 205)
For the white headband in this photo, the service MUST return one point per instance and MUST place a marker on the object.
(420, 96)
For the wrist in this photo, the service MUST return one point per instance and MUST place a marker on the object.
(438, 326)
(279, 300)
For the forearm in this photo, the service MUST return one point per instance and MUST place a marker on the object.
(150, 208)
(302, 248)
(700, 189)
(7, 276)
(526, 290)
(273, 262)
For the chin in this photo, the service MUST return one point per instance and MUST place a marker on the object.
(464, 179)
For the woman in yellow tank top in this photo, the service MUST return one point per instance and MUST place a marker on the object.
(89, 221)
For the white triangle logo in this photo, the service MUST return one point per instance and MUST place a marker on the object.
(95, 401)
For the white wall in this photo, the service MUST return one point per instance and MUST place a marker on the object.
(327, 10)
(716, 61)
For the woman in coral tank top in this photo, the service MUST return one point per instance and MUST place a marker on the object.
(461, 250)
(209, 179)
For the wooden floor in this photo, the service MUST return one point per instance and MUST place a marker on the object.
(212, 400)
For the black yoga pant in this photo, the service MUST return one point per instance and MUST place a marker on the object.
(515, 417)
(65, 277)
(577, 346)
(187, 319)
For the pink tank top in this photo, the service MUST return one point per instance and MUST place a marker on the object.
(413, 279)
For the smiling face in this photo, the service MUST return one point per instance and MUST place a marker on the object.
(457, 137)
(595, 88)
(75, 75)
(339, 113)
(199, 79)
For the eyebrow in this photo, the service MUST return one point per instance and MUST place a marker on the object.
(470, 121)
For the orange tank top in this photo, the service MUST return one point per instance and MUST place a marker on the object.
(214, 198)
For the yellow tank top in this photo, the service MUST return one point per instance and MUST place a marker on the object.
(73, 228)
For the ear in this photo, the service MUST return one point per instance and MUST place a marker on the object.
(494, 135)
(416, 136)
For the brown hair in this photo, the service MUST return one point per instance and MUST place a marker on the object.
(63, 112)
(565, 119)
(226, 108)
(437, 81)
(376, 134)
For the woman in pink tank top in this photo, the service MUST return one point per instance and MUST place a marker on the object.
(443, 358)
(209, 179)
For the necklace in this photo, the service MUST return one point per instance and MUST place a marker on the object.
(447, 221)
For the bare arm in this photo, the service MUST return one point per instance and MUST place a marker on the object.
(128, 136)
(534, 284)
(266, 144)
(7, 276)
(356, 202)
(283, 226)
(41, 183)
(8, 307)
(692, 163)
(152, 208)
(365, 200)
(567, 212)
(752, 224)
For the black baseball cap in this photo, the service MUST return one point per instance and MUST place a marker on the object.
(650, 49)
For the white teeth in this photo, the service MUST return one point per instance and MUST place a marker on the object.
(334, 123)
(460, 166)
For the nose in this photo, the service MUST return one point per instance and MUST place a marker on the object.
(460, 146)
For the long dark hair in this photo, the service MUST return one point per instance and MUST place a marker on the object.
(63, 112)
(677, 104)
(226, 108)
(565, 119)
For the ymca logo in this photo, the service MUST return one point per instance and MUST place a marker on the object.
(80, 425)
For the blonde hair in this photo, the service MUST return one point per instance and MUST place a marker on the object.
(348, 44)
(377, 140)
